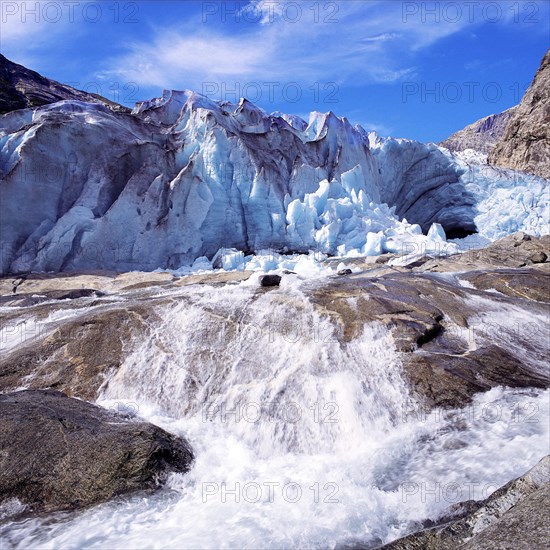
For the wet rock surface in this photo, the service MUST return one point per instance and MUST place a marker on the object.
(515, 250)
(516, 516)
(448, 351)
(60, 453)
(444, 316)
(447, 317)
(75, 356)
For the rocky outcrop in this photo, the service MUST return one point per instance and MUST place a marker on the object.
(21, 88)
(515, 517)
(445, 315)
(59, 453)
(516, 250)
(452, 346)
(525, 144)
(482, 135)
(447, 354)
(76, 356)
(75, 344)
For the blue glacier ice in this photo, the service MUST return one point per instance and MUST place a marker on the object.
(182, 177)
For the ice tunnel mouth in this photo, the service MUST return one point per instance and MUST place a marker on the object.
(460, 232)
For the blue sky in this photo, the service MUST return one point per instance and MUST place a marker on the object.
(414, 69)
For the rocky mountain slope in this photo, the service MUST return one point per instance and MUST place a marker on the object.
(525, 144)
(21, 88)
(482, 135)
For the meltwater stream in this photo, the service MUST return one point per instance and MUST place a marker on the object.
(301, 440)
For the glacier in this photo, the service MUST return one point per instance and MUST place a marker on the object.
(182, 177)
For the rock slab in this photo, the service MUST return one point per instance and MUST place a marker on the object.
(514, 517)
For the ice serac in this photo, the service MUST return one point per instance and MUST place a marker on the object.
(525, 144)
(425, 185)
(182, 176)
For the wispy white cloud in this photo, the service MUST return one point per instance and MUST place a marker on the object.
(175, 59)
(343, 42)
(381, 129)
(344, 45)
(382, 37)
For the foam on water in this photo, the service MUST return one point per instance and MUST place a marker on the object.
(301, 438)
(28, 328)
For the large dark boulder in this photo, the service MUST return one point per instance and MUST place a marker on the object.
(60, 453)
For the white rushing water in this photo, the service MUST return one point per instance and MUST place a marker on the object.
(300, 440)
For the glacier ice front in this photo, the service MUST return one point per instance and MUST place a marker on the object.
(182, 177)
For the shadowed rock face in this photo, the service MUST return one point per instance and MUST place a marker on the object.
(482, 135)
(516, 516)
(525, 144)
(60, 453)
(21, 88)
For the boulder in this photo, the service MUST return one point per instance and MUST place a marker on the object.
(384, 258)
(60, 453)
(270, 280)
(538, 257)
